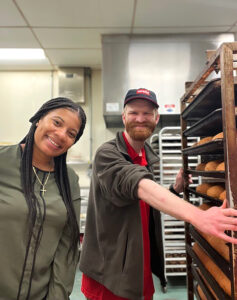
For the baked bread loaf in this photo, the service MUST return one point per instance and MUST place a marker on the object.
(218, 136)
(212, 165)
(200, 167)
(218, 244)
(213, 269)
(204, 206)
(202, 188)
(201, 294)
(221, 167)
(215, 191)
(204, 140)
(222, 195)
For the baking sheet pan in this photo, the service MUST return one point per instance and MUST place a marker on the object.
(212, 124)
(213, 147)
(214, 174)
(206, 101)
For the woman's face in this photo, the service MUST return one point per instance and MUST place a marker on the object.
(56, 132)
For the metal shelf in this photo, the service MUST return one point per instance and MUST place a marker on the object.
(168, 141)
(84, 204)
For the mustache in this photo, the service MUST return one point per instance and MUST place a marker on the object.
(145, 124)
(134, 124)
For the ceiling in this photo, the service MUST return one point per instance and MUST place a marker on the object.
(70, 31)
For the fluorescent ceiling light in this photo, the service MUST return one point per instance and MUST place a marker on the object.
(21, 54)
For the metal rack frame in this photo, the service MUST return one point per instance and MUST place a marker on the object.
(167, 144)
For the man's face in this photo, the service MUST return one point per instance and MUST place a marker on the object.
(140, 119)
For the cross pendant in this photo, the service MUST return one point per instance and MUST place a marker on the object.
(43, 190)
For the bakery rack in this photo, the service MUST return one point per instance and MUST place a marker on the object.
(167, 145)
(154, 142)
(207, 108)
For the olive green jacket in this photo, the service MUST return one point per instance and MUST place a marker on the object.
(112, 248)
(53, 276)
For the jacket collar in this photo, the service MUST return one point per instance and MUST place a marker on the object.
(151, 156)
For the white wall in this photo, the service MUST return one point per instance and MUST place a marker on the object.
(22, 93)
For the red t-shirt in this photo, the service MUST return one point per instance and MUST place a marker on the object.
(96, 291)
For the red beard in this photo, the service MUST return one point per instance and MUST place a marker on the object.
(142, 133)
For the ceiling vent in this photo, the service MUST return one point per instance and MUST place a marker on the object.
(71, 84)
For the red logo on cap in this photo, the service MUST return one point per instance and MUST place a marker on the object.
(142, 91)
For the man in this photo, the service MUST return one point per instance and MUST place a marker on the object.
(120, 246)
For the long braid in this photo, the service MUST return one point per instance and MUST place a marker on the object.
(26, 174)
(27, 186)
(61, 178)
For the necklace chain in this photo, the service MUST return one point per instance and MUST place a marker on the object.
(43, 190)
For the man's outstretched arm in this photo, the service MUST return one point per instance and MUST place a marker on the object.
(213, 221)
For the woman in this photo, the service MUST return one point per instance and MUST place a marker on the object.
(39, 207)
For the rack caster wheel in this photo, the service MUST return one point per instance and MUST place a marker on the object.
(164, 289)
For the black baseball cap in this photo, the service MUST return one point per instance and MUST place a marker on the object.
(141, 94)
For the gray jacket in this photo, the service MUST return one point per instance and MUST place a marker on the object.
(112, 251)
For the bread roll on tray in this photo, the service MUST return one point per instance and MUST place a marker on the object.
(200, 167)
(221, 167)
(204, 140)
(218, 136)
(222, 195)
(212, 165)
(202, 188)
(215, 191)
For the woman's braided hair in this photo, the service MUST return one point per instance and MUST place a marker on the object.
(61, 178)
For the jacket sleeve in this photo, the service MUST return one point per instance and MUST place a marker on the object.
(118, 178)
(64, 265)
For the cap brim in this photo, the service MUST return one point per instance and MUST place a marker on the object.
(141, 97)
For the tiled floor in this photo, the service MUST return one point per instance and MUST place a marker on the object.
(76, 293)
(176, 289)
